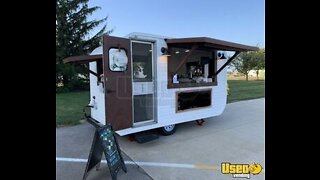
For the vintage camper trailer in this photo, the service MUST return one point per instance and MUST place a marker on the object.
(142, 81)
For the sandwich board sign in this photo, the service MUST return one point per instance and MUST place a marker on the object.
(105, 142)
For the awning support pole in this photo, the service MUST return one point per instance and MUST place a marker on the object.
(225, 64)
(93, 73)
(87, 69)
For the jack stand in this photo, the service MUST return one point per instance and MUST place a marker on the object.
(200, 122)
(131, 137)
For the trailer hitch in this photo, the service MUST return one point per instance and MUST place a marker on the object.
(200, 122)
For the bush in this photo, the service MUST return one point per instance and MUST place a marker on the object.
(62, 89)
(228, 88)
(74, 85)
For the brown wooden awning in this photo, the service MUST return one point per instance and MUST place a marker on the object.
(210, 43)
(82, 59)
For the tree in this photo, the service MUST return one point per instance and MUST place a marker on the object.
(72, 30)
(259, 61)
(244, 62)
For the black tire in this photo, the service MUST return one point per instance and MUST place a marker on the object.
(168, 130)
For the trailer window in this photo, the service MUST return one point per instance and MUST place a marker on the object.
(118, 59)
(196, 69)
(142, 62)
(191, 100)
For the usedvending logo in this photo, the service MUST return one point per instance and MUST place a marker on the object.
(241, 170)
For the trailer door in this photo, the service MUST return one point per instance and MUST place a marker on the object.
(118, 81)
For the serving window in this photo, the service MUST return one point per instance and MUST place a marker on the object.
(191, 67)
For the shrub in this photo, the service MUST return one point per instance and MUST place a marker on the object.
(79, 84)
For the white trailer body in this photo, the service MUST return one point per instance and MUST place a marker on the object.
(189, 84)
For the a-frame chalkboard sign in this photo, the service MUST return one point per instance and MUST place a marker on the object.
(104, 141)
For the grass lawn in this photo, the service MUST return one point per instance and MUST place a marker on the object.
(69, 107)
(243, 90)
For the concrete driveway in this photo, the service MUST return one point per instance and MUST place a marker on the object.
(193, 152)
(72, 150)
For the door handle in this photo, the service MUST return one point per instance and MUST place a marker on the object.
(110, 91)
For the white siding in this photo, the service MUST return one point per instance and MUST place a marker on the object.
(97, 113)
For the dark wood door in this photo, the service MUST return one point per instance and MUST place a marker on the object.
(118, 81)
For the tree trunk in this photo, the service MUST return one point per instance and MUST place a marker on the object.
(65, 80)
(257, 72)
(247, 77)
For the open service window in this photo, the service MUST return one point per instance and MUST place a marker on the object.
(191, 67)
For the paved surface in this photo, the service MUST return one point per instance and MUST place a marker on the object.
(75, 142)
(237, 136)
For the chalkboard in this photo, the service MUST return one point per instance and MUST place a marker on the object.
(110, 148)
(104, 141)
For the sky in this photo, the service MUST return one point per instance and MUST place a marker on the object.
(240, 21)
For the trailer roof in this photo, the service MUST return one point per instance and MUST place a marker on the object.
(83, 59)
(173, 42)
(209, 42)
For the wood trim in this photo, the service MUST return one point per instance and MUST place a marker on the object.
(186, 85)
(192, 109)
(192, 90)
(215, 67)
(169, 72)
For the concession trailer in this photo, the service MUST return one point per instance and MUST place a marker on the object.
(142, 81)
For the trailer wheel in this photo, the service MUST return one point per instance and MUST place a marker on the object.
(168, 130)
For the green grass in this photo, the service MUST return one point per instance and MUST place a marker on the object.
(243, 90)
(69, 107)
